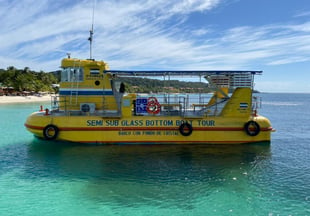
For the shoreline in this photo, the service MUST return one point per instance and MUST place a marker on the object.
(24, 99)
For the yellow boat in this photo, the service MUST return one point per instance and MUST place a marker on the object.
(93, 108)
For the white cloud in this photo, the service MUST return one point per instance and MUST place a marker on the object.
(303, 14)
(200, 32)
(187, 6)
(149, 34)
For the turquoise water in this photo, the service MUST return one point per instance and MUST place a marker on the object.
(49, 178)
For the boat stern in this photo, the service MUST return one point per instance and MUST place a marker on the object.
(259, 128)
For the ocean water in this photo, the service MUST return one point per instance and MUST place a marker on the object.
(57, 178)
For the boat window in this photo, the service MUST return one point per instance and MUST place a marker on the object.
(80, 74)
(72, 75)
(65, 75)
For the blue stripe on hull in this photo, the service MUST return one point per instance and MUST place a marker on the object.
(85, 93)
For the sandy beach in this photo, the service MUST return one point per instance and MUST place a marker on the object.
(24, 99)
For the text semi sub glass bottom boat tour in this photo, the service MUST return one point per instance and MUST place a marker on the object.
(93, 108)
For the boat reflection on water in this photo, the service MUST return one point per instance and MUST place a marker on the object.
(157, 174)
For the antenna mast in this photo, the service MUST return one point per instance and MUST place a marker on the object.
(91, 32)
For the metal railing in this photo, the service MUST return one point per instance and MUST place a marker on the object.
(170, 105)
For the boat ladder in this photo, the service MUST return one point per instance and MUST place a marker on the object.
(75, 83)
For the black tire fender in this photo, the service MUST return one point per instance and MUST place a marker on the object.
(50, 132)
(252, 128)
(186, 129)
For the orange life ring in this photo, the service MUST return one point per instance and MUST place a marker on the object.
(153, 106)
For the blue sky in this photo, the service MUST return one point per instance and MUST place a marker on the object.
(268, 35)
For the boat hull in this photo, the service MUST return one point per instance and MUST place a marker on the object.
(148, 130)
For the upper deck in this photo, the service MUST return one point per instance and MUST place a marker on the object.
(218, 78)
(85, 71)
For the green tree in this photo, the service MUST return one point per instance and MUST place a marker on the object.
(26, 79)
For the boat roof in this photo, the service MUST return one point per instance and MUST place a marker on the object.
(182, 72)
